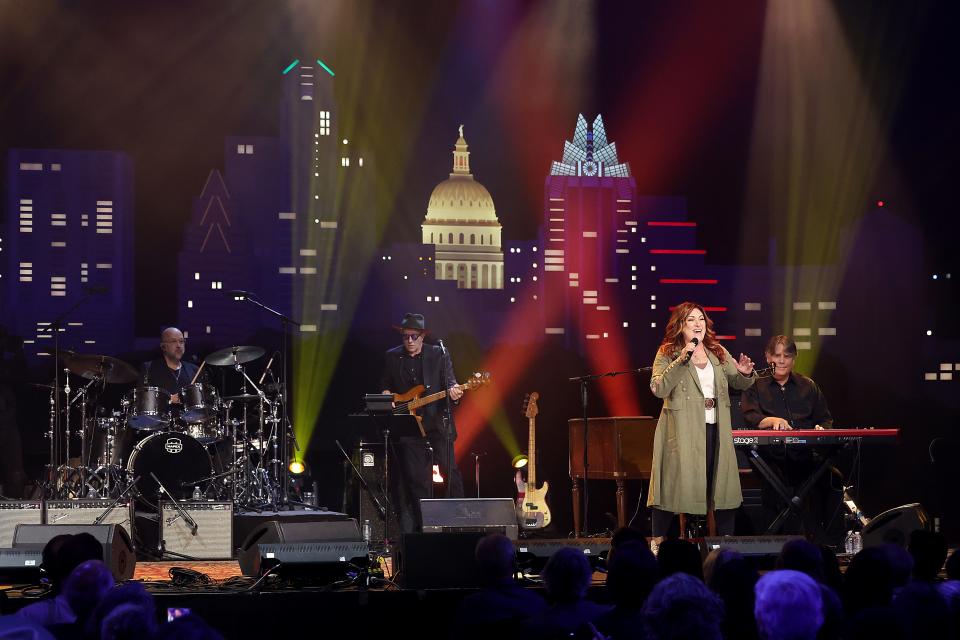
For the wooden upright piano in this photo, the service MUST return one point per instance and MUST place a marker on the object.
(619, 449)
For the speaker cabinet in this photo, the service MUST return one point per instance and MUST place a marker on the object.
(14, 512)
(358, 502)
(117, 551)
(895, 525)
(463, 515)
(214, 536)
(296, 542)
(87, 511)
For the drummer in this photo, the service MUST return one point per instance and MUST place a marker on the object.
(169, 371)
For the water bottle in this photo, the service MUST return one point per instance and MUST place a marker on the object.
(848, 543)
(196, 493)
(366, 531)
(857, 542)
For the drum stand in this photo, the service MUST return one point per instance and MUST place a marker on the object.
(255, 481)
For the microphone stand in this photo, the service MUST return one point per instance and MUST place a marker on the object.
(363, 483)
(584, 382)
(161, 547)
(447, 423)
(113, 506)
(55, 326)
(285, 322)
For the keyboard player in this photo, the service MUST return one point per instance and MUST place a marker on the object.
(785, 401)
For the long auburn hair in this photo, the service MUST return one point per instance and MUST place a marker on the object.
(673, 340)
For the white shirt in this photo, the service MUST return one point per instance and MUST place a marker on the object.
(706, 385)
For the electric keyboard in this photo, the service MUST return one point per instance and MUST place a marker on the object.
(809, 437)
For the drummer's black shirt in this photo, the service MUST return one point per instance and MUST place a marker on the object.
(156, 373)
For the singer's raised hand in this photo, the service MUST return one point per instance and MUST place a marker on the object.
(745, 365)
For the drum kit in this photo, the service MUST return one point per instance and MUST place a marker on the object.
(195, 444)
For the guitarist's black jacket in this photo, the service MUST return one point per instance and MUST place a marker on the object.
(401, 373)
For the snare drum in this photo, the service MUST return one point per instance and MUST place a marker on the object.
(200, 402)
(147, 408)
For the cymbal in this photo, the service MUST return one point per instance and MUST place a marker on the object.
(234, 355)
(91, 366)
(242, 396)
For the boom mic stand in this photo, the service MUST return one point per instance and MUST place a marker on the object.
(288, 432)
(161, 546)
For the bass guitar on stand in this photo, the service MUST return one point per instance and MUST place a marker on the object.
(532, 509)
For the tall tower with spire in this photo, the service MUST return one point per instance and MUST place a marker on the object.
(462, 225)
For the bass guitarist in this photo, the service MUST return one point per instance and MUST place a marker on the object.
(411, 364)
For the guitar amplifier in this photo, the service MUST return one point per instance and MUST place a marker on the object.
(214, 539)
(469, 515)
(358, 503)
(14, 512)
(85, 511)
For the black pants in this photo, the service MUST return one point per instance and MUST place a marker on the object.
(411, 471)
(660, 520)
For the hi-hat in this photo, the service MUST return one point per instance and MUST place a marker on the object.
(234, 355)
(92, 366)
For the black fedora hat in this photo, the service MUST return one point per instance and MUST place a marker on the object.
(412, 321)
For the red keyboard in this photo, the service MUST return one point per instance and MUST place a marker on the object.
(805, 437)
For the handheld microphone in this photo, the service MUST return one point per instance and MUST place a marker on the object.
(695, 342)
(443, 349)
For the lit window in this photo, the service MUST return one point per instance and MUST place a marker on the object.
(653, 297)
(189, 304)
(196, 275)
(208, 328)
(633, 267)
(344, 162)
(653, 267)
(360, 162)
(513, 299)
(429, 298)
(249, 149)
(633, 287)
(241, 149)
(345, 141)
(626, 324)
(653, 306)
(653, 325)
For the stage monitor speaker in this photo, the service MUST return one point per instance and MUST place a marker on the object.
(86, 511)
(470, 515)
(895, 525)
(19, 567)
(14, 512)
(117, 550)
(761, 551)
(214, 536)
(439, 560)
(532, 555)
(294, 535)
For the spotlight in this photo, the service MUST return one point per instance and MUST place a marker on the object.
(519, 461)
(297, 467)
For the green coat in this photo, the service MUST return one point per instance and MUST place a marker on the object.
(678, 480)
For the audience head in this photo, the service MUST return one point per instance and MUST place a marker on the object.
(496, 558)
(788, 606)
(901, 564)
(800, 555)
(128, 621)
(832, 576)
(632, 573)
(929, 550)
(679, 556)
(868, 581)
(86, 586)
(567, 575)
(18, 628)
(733, 578)
(52, 563)
(127, 593)
(624, 535)
(923, 611)
(681, 606)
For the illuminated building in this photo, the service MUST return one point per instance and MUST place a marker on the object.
(68, 242)
(462, 224)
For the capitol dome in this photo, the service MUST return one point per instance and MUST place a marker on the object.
(461, 198)
(462, 225)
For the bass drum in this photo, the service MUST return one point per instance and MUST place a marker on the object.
(177, 460)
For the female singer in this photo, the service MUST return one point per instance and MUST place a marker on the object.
(694, 464)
